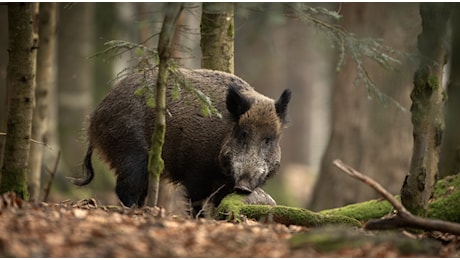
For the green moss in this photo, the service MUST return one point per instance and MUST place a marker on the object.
(304, 217)
(445, 204)
(229, 208)
(232, 207)
(256, 211)
(433, 82)
(230, 31)
(363, 211)
(15, 180)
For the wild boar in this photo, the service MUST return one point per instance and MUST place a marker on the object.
(239, 151)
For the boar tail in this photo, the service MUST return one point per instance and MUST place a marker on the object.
(87, 170)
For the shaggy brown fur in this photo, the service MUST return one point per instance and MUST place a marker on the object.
(239, 151)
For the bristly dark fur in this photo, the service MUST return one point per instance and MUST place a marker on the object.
(199, 152)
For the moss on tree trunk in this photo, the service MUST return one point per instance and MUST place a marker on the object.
(427, 109)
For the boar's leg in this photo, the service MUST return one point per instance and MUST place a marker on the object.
(132, 178)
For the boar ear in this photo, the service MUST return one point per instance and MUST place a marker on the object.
(281, 105)
(237, 103)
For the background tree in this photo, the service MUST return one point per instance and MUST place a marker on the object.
(217, 33)
(21, 73)
(372, 136)
(449, 161)
(427, 108)
(3, 65)
(46, 78)
(75, 81)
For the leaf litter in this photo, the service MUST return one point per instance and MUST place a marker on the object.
(85, 229)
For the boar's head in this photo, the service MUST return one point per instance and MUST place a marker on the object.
(251, 154)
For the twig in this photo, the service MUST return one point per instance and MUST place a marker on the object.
(34, 141)
(403, 217)
(52, 174)
(208, 199)
(373, 184)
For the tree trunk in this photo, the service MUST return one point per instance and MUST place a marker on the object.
(366, 134)
(186, 49)
(156, 163)
(46, 78)
(449, 161)
(427, 108)
(23, 43)
(3, 65)
(217, 33)
(75, 81)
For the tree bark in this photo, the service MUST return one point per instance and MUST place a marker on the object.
(217, 33)
(371, 136)
(427, 108)
(46, 78)
(449, 161)
(21, 72)
(3, 65)
(156, 163)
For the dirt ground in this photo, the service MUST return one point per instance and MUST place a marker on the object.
(84, 229)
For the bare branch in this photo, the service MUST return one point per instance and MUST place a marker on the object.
(208, 199)
(403, 217)
(35, 141)
(373, 184)
(52, 174)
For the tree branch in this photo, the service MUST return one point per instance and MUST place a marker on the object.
(403, 218)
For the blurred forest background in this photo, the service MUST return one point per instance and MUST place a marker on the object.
(332, 113)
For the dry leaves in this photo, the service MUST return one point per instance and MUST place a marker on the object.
(84, 229)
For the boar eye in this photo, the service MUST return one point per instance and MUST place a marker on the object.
(268, 140)
(242, 135)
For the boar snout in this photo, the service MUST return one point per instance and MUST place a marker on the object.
(243, 186)
(241, 189)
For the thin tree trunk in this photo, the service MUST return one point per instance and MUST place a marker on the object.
(217, 33)
(186, 43)
(427, 108)
(449, 161)
(3, 65)
(45, 79)
(156, 164)
(51, 135)
(23, 43)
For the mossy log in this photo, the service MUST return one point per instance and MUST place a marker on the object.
(445, 202)
(363, 211)
(443, 206)
(232, 208)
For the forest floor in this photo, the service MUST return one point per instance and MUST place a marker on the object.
(84, 229)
